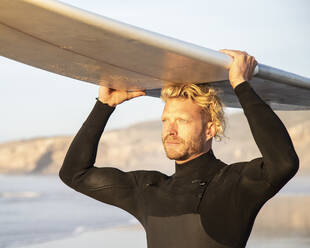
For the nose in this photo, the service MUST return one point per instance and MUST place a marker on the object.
(172, 129)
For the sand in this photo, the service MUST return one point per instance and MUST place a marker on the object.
(122, 236)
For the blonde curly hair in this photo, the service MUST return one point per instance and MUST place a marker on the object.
(205, 96)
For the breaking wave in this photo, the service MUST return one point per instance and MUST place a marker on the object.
(18, 195)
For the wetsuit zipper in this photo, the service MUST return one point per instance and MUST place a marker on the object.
(201, 195)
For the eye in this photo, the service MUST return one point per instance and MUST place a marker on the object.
(163, 120)
(182, 120)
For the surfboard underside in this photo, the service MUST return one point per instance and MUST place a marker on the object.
(81, 45)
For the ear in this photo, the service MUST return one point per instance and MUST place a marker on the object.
(210, 130)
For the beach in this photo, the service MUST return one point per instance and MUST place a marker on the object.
(134, 236)
(122, 236)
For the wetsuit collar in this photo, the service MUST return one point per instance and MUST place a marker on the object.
(205, 162)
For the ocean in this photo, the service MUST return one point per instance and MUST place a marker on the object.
(35, 209)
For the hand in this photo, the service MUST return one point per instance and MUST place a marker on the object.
(242, 67)
(113, 97)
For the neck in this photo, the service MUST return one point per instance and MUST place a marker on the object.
(207, 147)
(190, 158)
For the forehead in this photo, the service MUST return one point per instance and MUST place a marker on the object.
(181, 106)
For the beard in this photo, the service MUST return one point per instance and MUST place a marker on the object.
(184, 149)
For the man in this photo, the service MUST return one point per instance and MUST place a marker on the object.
(206, 203)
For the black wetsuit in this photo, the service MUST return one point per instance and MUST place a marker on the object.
(206, 203)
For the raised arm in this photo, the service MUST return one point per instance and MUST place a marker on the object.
(109, 185)
(279, 162)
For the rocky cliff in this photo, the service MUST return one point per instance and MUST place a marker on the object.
(140, 147)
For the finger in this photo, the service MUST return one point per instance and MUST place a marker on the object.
(228, 52)
(105, 91)
(234, 53)
(248, 62)
(254, 66)
(133, 94)
(119, 96)
(251, 68)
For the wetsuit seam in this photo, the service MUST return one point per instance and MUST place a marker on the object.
(241, 175)
(271, 186)
(217, 174)
(204, 192)
(107, 187)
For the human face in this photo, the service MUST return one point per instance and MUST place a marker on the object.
(183, 129)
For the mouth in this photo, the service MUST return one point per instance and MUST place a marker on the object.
(172, 143)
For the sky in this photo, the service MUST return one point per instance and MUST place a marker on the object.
(36, 103)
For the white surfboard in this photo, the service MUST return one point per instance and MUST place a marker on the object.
(72, 42)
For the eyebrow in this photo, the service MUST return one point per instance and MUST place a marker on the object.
(178, 117)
